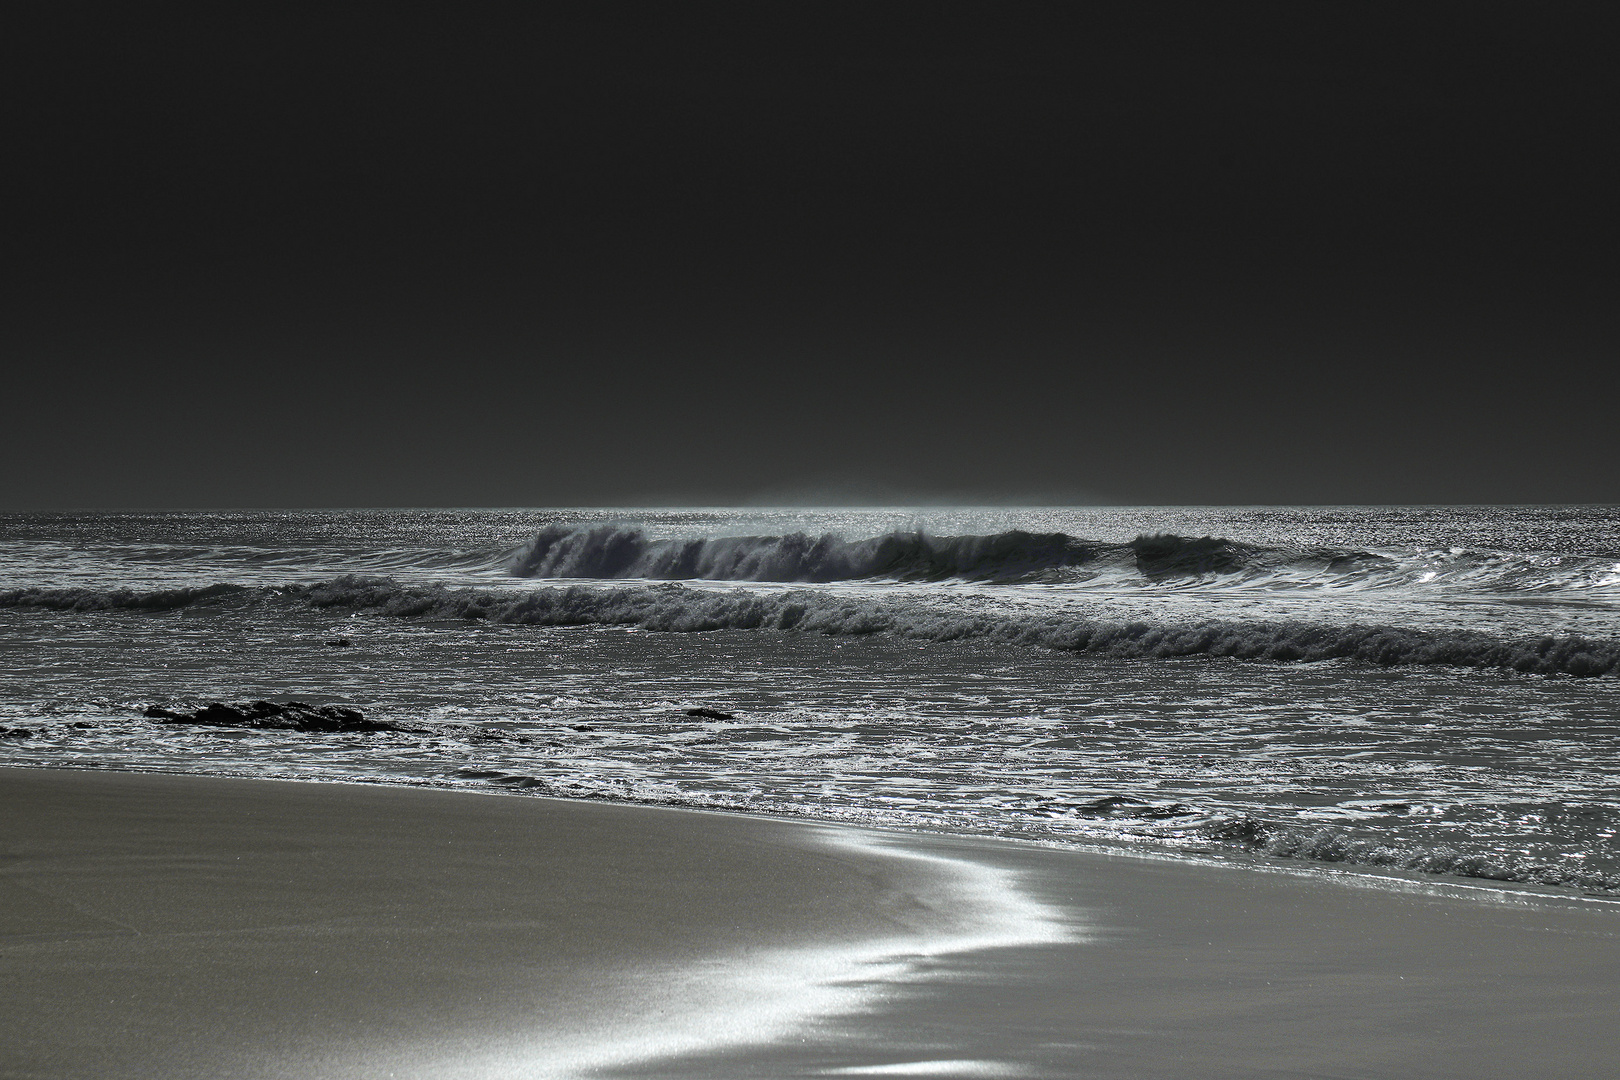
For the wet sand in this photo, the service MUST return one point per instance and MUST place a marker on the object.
(206, 927)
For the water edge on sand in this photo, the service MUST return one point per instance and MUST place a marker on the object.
(197, 926)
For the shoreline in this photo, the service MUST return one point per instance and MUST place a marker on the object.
(1374, 875)
(383, 924)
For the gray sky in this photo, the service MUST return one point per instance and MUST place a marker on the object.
(1165, 254)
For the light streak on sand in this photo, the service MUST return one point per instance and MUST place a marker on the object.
(939, 1068)
(939, 906)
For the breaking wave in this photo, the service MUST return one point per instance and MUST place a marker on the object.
(676, 608)
(608, 551)
(87, 599)
(620, 552)
(613, 552)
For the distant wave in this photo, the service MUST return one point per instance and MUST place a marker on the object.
(678, 609)
(618, 552)
(85, 599)
(675, 608)
(613, 552)
(1015, 557)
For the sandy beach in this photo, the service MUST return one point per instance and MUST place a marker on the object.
(192, 926)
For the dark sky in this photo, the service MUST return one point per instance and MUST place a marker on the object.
(1119, 253)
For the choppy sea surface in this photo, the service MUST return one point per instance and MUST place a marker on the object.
(1428, 688)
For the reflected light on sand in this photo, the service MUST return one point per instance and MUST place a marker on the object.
(939, 906)
(954, 1069)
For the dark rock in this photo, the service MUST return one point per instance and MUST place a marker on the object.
(710, 714)
(16, 733)
(323, 719)
(293, 716)
(340, 643)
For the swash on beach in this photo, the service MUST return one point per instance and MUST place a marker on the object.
(1428, 689)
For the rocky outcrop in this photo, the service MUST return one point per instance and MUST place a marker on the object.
(710, 714)
(292, 716)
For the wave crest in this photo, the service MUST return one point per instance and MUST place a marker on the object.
(86, 599)
(618, 552)
(675, 608)
(614, 552)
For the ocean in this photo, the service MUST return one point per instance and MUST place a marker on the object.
(1418, 690)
